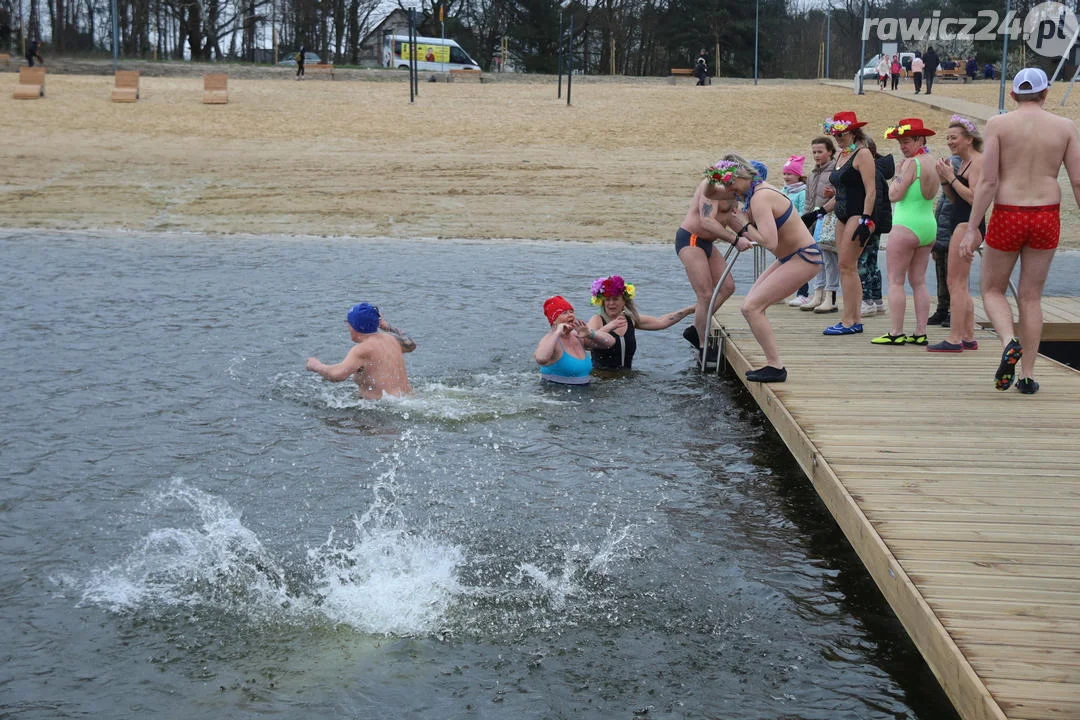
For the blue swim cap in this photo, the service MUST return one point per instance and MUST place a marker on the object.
(364, 318)
(762, 171)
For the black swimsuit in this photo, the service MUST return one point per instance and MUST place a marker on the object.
(960, 212)
(850, 192)
(619, 356)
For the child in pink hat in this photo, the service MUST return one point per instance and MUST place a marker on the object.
(795, 189)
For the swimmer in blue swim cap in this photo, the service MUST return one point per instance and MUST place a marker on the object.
(376, 361)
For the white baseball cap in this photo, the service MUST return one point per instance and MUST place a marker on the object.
(1034, 78)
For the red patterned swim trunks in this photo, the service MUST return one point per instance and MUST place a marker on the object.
(1012, 227)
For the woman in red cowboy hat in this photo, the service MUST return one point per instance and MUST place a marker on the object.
(854, 180)
(913, 233)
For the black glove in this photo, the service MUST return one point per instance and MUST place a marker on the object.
(864, 230)
(810, 218)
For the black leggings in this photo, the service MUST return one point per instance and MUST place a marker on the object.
(895, 80)
(918, 81)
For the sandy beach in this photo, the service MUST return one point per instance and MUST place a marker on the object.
(349, 157)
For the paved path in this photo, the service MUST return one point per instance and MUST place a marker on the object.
(937, 102)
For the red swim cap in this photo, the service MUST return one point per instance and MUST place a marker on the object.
(555, 306)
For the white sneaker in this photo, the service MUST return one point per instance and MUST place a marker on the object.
(798, 301)
(868, 308)
(881, 307)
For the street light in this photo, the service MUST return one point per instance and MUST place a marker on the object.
(862, 54)
(757, 12)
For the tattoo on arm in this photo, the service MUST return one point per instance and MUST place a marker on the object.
(706, 209)
(406, 342)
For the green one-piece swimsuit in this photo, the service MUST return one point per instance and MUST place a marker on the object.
(915, 212)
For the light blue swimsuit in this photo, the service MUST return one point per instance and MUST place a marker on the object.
(568, 369)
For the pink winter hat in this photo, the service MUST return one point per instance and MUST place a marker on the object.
(794, 165)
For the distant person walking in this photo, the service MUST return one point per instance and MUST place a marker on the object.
(883, 72)
(931, 59)
(895, 69)
(300, 57)
(1024, 150)
(917, 67)
(701, 68)
(32, 52)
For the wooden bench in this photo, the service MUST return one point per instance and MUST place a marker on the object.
(215, 89)
(465, 74)
(954, 74)
(31, 83)
(127, 86)
(686, 72)
(5, 58)
(320, 69)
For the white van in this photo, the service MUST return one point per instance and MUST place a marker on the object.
(433, 54)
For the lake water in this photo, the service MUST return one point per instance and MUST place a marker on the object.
(194, 526)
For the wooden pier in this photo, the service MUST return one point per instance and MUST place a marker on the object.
(962, 501)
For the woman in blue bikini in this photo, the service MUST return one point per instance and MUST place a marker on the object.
(771, 223)
(562, 353)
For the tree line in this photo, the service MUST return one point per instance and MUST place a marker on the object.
(621, 37)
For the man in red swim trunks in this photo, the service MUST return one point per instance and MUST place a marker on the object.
(1024, 152)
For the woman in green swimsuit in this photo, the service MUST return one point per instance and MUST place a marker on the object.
(913, 231)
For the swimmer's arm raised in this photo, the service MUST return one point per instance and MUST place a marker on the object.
(406, 342)
(352, 363)
(648, 322)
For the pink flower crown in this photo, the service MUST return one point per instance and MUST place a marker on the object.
(967, 124)
(722, 173)
(612, 286)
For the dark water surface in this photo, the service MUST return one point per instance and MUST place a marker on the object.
(196, 527)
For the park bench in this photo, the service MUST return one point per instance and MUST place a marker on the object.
(215, 89)
(953, 74)
(685, 72)
(31, 83)
(320, 69)
(127, 86)
(5, 58)
(466, 74)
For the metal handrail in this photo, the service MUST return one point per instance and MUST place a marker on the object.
(708, 317)
(1012, 287)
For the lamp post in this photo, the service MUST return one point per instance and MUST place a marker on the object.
(757, 14)
(862, 52)
(115, 35)
(828, 37)
(1004, 60)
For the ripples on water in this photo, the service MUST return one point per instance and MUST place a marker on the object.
(197, 527)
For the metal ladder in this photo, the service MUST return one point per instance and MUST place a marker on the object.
(707, 342)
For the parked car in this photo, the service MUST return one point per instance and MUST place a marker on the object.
(310, 58)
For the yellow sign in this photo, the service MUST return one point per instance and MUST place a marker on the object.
(428, 53)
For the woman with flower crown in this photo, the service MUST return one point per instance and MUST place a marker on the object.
(704, 223)
(619, 317)
(913, 233)
(770, 224)
(964, 140)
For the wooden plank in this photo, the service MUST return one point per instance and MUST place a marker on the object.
(976, 545)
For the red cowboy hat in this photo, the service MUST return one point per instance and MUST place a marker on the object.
(908, 127)
(845, 118)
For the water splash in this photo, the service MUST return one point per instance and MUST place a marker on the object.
(478, 397)
(385, 580)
